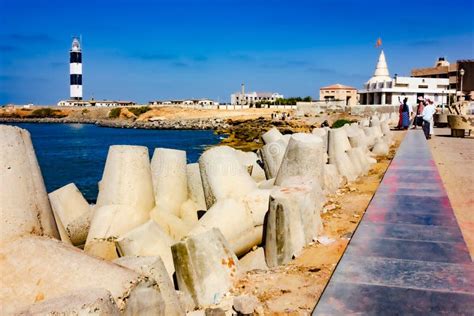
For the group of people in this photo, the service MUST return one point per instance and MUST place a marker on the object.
(423, 116)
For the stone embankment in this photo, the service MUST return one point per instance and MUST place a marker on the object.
(195, 124)
(207, 223)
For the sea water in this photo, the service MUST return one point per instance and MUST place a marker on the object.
(77, 152)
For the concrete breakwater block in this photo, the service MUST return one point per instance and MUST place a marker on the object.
(357, 138)
(344, 166)
(96, 301)
(127, 179)
(272, 155)
(168, 167)
(34, 269)
(272, 135)
(109, 223)
(338, 143)
(381, 148)
(331, 177)
(72, 210)
(323, 133)
(148, 240)
(236, 222)
(304, 156)
(24, 205)
(154, 268)
(293, 220)
(195, 188)
(248, 159)
(205, 266)
(173, 225)
(223, 175)
(254, 260)
(357, 164)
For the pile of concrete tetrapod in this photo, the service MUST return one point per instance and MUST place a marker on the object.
(163, 220)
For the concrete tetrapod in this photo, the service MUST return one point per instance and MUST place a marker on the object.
(168, 168)
(154, 268)
(293, 220)
(24, 206)
(97, 302)
(173, 225)
(272, 135)
(357, 138)
(338, 143)
(254, 260)
(127, 179)
(195, 188)
(380, 148)
(371, 136)
(38, 268)
(240, 222)
(72, 210)
(148, 240)
(223, 175)
(188, 213)
(249, 160)
(272, 155)
(332, 178)
(355, 160)
(109, 223)
(304, 156)
(205, 266)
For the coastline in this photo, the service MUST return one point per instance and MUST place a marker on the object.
(181, 124)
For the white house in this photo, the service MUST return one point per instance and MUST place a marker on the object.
(242, 98)
(98, 103)
(382, 89)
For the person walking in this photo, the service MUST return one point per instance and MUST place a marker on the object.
(427, 114)
(418, 120)
(404, 114)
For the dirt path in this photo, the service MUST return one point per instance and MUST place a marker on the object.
(455, 160)
(293, 289)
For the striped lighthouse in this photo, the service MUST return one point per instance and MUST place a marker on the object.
(75, 70)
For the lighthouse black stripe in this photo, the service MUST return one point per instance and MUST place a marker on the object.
(76, 79)
(75, 57)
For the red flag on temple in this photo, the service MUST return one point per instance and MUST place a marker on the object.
(379, 42)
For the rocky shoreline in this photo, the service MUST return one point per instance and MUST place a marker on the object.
(190, 124)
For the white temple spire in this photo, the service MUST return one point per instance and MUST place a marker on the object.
(381, 71)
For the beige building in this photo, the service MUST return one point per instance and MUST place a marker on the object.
(460, 75)
(339, 92)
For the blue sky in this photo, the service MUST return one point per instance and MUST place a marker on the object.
(145, 50)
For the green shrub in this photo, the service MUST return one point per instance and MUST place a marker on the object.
(85, 111)
(46, 112)
(115, 112)
(137, 111)
(341, 123)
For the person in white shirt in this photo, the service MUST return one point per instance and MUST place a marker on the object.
(427, 114)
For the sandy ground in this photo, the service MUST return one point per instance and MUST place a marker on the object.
(294, 289)
(455, 160)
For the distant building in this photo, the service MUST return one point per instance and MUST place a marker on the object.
(195, 103)
(242, 98)
(382, 89)
(443, 69)
(339, 92)
(98, 103)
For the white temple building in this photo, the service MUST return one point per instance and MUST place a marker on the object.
(382, 89)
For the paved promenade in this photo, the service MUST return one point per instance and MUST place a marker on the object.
(408, 255)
